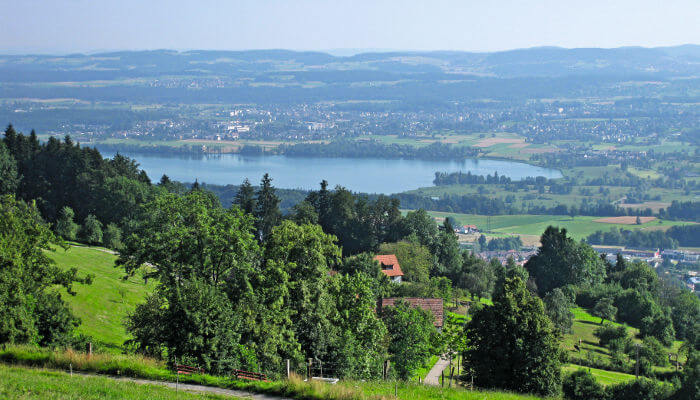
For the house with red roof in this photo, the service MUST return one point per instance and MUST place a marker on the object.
(390, 266)
(433, 306)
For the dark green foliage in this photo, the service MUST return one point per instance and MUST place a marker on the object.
(245, 198)
(478, 276)
(55, 322)
(561, 261)
(411, 332)
(690, 380)
(582, 385)
(421, 225)
(640, 389)
(511, 345)
(30, 312)
(652, 351)
(558, 306)
(659, 326)
(61, 173)
(65, 226)
(91, 231)
(685, 313)
(448, 253)
(608, 333)
(634, 306)
(8, 171)
(267, 212)
(641, 277)
(360, 224)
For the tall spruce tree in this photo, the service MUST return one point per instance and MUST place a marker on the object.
(245, 198)
(267, 211)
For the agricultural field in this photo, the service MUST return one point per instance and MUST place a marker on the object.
(528, 225)
(103, 305)
(27, 384)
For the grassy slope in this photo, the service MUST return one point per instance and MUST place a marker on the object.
(103, 305)
(26, 383)
(602, 376)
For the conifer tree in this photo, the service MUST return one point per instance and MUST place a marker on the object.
(245, 198)
(267, 212)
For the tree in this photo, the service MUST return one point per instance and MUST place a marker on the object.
(30, 312)
(245, 198)
(8, 171)
(112, 237)
(92, 230)
(449, 255)
(582, 385)
(558, 307)
(478, 276)
(685, 313)
(267, 212)
(512, 345)
(638, 221)
(65, 226)
(415, 259)
(640, 389)
(561, 261)
(604, 309)
(690, 380)
(411, 332)
(482, 242)
(659, 326)
(422, 225)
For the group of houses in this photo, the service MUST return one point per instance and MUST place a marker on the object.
(390, 267)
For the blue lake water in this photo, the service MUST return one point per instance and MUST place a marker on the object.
(367, 175)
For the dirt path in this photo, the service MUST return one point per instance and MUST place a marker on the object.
(198, 388)
(433, 377)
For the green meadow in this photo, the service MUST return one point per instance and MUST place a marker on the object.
(103, 305)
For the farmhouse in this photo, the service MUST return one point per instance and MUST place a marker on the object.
(390, 267)
(434, 306)
(467, 229)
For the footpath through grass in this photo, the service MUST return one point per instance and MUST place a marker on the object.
(27, 383)
(141, 367)
(103, 305)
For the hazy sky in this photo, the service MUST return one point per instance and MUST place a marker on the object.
(59, 26)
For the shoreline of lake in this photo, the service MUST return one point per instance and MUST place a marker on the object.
(368, 175)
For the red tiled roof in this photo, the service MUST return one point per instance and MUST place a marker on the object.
(434, 306)
(389, 260)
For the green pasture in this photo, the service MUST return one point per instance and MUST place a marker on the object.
(103, 305)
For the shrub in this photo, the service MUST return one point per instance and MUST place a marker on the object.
(608, 333)
(640, 389)
(581, 385)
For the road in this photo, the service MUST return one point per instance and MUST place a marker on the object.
(433, 377)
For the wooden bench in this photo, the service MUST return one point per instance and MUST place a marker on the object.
(187, 370)
(251, 376)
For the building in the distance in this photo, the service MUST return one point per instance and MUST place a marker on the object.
(434, 306)
(390, 266)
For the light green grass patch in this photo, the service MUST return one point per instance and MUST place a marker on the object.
(103, 305)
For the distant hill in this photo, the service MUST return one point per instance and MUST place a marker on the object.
(533, 62)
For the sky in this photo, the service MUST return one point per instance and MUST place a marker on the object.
(64, 26)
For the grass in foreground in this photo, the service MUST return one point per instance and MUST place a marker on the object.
(103, 305)
(426, 392)
(27, 383)
(137, 366)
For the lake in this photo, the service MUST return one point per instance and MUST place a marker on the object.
(369, 175)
